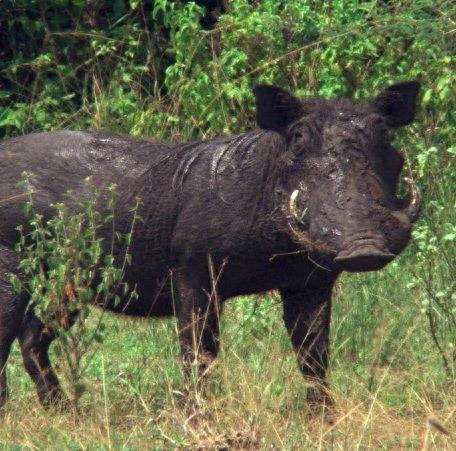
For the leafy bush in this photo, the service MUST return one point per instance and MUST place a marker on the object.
(69, 267)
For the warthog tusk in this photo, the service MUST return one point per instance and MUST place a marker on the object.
(412, 210)
(292, 204)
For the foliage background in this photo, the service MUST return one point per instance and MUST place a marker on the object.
(148, 68)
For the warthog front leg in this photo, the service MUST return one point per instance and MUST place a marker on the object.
(197, 311)
(307, 314)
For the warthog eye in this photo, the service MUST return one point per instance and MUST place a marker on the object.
(300, 139)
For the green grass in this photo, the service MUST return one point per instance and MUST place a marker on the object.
(386, 377)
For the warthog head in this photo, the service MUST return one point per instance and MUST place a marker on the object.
(340, 172)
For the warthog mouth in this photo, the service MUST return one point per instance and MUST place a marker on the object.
(363, 257)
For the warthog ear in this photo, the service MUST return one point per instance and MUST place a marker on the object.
(398, 103)
(275, 108)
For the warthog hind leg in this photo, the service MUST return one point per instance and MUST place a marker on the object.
(35, 339)
(12, 306)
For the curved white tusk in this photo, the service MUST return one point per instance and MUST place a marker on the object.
(292, 204)
(413, 208)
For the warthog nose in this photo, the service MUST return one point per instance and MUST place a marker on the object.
(364, 258)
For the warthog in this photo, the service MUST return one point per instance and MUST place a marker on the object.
(288, 206)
